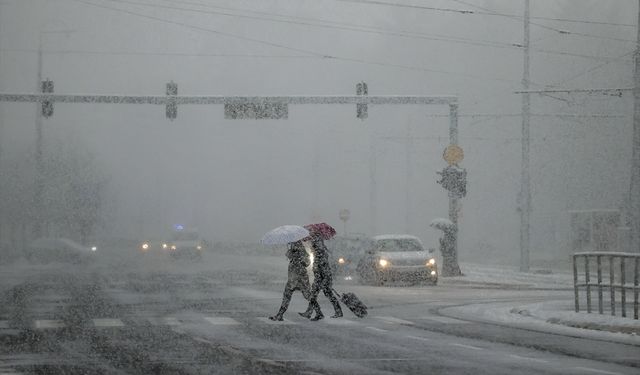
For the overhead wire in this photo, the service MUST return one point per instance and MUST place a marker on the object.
(358, 28)
(306, 51)
(486, 13)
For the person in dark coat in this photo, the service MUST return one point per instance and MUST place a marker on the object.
(297, 277)
(323, 280)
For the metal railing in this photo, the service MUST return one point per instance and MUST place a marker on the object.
(619, 263)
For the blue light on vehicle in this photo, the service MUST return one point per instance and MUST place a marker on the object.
(179, 227)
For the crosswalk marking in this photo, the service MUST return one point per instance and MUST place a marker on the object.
(419, 338)
(596, 371)
(390, 319)
(269, 321)
(220, 320)
(45, 323)
(104, 323)
(465, 346)
(339, 322)
(444, 319)
(378, 329)
(528, 358)
(169, 321)
(4, 324)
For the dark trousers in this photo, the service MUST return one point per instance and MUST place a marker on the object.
(298, 283)
(323, 282)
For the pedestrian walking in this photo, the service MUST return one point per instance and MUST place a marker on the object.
(297, 277)
(323, 281)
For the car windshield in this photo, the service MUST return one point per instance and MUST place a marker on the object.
(185, 236)
(398, 245)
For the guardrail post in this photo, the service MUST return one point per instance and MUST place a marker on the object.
(587, 280)
(611, 286)
(635, 289)
(600, 305)
(575, 282)
(623, 292)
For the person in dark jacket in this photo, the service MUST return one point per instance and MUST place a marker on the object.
(297, 277)
(322, 280)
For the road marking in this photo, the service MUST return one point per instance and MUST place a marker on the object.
(390, 319)
(596, 370)
(444, 319)
(277, 322)
(419, 338)
(377, 329)
(465, 346)
(164, 321)
(219, 320)
(339, 322)
(105, 323)
(4, 324)
(44, 324)
(528, 358)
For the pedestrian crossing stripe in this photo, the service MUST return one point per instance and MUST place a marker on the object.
(4, 324)
(169, 321)
(391, 319)
(105, 323)
(45, 323)
(220, 320)
(269, 321)
(444, 319)
(339, 322)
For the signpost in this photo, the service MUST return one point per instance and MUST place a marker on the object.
(345, 214)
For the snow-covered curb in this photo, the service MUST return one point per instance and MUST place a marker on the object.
(549, 317)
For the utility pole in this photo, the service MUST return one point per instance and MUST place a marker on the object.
(409, 179)
(525, 192)
(634, 189)
(39, 186)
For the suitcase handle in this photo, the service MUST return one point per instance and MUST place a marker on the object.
(336, 292)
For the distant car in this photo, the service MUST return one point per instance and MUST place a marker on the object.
(346, 252)
(186, 243)
(153, 246)
(47, 250)
(397, 257)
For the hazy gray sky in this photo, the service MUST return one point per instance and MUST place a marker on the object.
(238, 179)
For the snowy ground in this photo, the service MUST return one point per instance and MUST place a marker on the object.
(552, 315)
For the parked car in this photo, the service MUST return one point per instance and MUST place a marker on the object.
(397, 257)
(54, 249)
(346, 252)
(186, 243)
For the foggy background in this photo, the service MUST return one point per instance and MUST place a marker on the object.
(236, 179)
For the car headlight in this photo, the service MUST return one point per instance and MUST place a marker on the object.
(433, 273)
(164, 245)
(173, 247)
(341, 260)
(94, 248)
(383, 262)
(199, 247)
(431, 262)
(145, 246)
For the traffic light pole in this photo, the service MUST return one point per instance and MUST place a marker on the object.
(172, 100)
(453, 200)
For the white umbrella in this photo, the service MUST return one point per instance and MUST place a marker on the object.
(442, 224)
(284, 234)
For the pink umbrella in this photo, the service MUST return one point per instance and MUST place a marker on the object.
(322, 230)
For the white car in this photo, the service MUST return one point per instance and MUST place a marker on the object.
(395, 257)
(54, 249)
(185, 243)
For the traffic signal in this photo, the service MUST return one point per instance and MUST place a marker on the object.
(454, 180)
(47, 105)
(362, 109)
(172, 106)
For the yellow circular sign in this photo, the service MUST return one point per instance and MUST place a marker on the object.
(453, 154)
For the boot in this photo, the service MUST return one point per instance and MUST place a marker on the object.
(317, 317)
(306, 314)
(276, 317)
